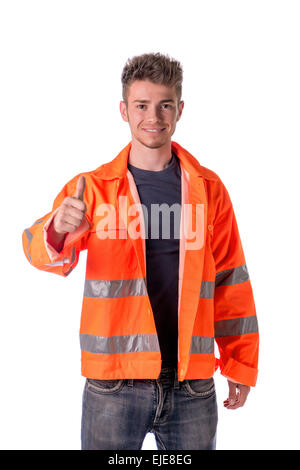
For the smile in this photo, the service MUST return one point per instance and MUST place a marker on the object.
(154, 131)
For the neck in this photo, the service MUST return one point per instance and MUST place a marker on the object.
(147, 158)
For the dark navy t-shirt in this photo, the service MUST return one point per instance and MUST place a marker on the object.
(162, 229)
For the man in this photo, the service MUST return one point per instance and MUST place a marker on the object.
(159, 290)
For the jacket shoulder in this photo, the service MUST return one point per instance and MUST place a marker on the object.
(218, 197)
(90, 177)
(209, 174)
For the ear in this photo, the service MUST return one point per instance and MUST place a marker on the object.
(180, 109)
(123, 111)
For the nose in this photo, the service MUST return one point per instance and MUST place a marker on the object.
(153, 114)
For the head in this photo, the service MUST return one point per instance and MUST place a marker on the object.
(151, 90)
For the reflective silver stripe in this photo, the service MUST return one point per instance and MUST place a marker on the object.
(38, 222)
(232, 276)
(119, 344)
(202, 345)
(114, 289)
(207, 289)
(29, 238)
(65, 261)
(73, 258)
(236, 326)
(59, 263)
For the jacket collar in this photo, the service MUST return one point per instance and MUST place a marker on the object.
(117, 168)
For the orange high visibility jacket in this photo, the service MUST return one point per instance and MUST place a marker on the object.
(118, 337)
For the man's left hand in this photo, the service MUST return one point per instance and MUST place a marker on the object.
(237, 395)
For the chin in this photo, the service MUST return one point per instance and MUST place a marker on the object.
(153, 142)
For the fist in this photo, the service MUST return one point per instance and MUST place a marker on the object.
(71, 211)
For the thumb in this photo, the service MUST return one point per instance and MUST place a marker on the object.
(80, 188)
(232, 392)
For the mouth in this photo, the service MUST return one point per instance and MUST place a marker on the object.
(154, 131)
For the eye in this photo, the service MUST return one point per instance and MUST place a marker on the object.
(166, 104)
(140, 105)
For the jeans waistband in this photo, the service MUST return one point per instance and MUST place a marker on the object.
(167, 375)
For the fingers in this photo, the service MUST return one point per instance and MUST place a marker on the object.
(75, 203)
(72, 218)
(237, 397)
(72, 214)
(65, 227)
(69, 217)
(65, 221)
(80, 188)
(233, 393)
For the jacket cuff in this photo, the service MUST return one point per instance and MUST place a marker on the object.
(232, 380)
(70, 237)
(238, 372)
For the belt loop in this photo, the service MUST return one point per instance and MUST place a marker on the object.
(176, 383)
(130, 382)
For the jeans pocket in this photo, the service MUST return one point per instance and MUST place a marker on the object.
(105, 386)
(200, 387)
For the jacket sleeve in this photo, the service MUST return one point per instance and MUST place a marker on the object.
(38, 249)
(236, 327)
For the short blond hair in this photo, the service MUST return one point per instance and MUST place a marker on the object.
(154, 67)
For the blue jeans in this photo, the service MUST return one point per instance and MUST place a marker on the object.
(117, 414)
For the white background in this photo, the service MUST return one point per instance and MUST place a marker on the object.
(61, 64)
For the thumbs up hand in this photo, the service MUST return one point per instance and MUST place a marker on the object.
(71, 211)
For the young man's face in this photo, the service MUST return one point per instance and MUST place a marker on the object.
(152, 112)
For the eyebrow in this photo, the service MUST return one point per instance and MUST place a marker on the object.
(147, 101)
